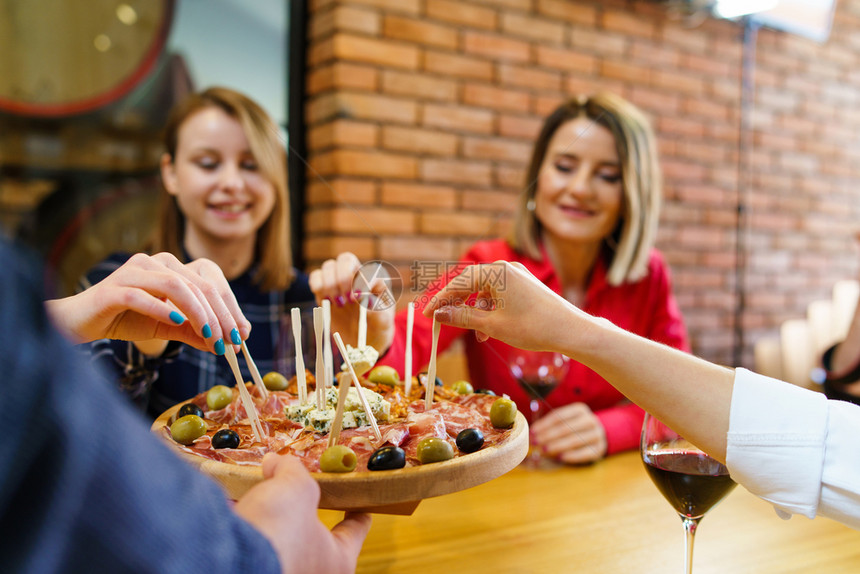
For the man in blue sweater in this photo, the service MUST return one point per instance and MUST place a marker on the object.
(85, 487)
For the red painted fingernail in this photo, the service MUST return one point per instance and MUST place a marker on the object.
(341, 301)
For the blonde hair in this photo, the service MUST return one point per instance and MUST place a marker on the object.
(642, 182)
(273, 256)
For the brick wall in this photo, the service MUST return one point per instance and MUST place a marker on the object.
(421, 115)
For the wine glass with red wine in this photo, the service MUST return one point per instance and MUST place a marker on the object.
(689, 479)
(538, 373)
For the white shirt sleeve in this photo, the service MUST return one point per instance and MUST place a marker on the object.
(795, 449)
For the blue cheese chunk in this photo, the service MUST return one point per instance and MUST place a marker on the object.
(362, 358)
(354, 416)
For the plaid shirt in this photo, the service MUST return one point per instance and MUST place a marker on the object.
(181, 372)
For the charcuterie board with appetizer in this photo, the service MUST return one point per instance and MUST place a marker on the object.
(372, 441)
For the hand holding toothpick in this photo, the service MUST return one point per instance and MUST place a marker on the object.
(344, 282)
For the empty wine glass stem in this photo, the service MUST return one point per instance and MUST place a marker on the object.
(690, 525)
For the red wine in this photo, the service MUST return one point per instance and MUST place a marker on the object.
(692, 482)
(536, 387)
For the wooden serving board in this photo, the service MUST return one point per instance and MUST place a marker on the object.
(386, 491)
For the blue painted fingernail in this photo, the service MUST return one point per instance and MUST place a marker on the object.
(219, 347)
(234, 336)
(207, 331)
(177, 317)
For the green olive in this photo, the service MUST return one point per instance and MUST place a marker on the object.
(218, 397)
(187, 429)
(463, 388)
(432, 449)
(275, 381)
(503, 413)
(384, 375)
(338, 458)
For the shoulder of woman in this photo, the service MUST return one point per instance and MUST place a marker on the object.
(656, 261)
(659, 271)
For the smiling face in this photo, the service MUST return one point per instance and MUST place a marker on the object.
(216, 180)
(579, 195)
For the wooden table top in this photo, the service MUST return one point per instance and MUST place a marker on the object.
(606, 518)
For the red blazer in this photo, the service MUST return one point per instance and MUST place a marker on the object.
(646, 307)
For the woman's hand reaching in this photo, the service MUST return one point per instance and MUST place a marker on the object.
(155, 298)
(339, 281)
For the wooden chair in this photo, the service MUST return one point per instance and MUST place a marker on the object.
(768, 357)
(798, 354)
(845, 295)
(822, 330)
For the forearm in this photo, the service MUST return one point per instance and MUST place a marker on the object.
(73, 317)
(689, 394)
(65, 318)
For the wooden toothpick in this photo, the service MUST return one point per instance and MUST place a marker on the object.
(255, 373)
(362, 322)
(337, 423)
(329, 360)
(320, 370)
(410, 322)
(301, 380)
(431, 370)
(244, 395)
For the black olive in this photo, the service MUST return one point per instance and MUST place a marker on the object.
(225, 438)
(190, 409)
(422, 378)
(387, 458)
(485, 392)
(470, 440)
